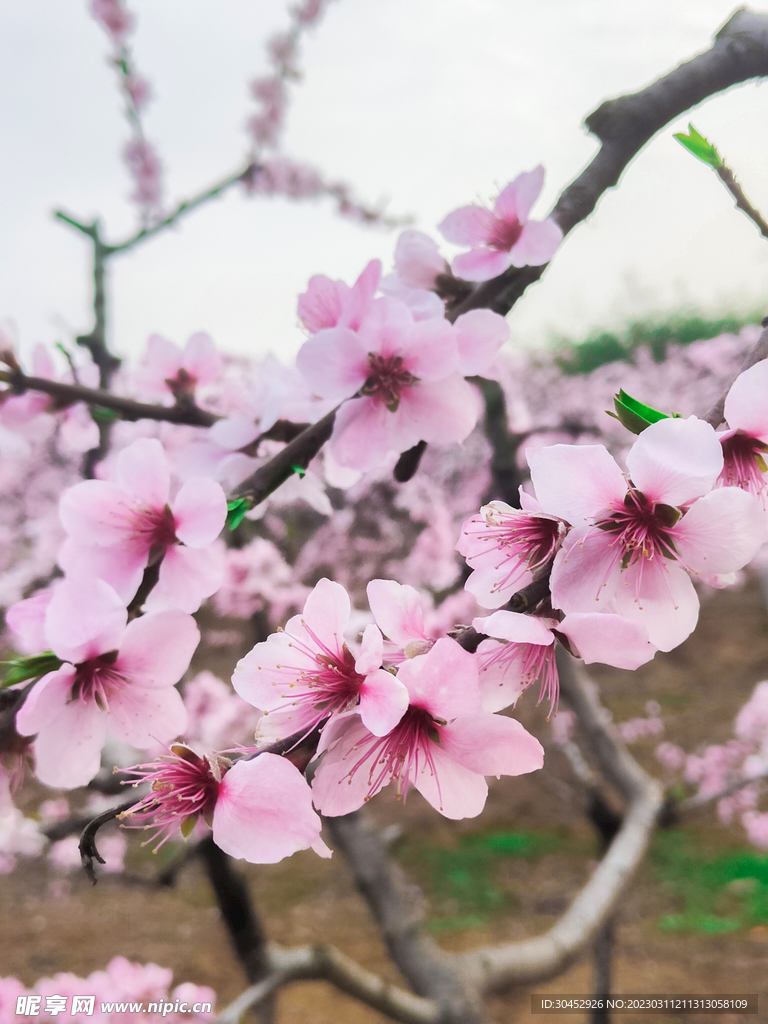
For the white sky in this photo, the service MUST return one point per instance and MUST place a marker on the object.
(431, 103)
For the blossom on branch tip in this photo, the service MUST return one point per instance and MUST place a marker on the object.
(117, 677)
(504, 237)
(305, 674)
(443, 745)
(259, 809)
(117, 528)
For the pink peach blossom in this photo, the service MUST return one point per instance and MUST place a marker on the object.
(328, 303)
(259, 809)
(116, 528)
(305, 674)
(633, 539)
(444, 745)
(505, 237)
(405, 377)
(745, 443)
(169, 370)
(116, 676)
(507, 549)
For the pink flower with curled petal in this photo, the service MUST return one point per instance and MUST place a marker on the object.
(633, 539)
(745, 443)
(397, 610)
(504, 237)
(116, 528)
(305, 674)
(402, 377)
(443, 745)
(259, 809)
(115, 677)
(168, 370)
(526, 651)
(507, 549)
(328, 303)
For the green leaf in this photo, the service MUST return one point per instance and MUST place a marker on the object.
(236, 510)
(33, 666)
(299, 471)
(700, 147)
(102, 415)
(634, 415)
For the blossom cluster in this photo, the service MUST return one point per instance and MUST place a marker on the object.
(598, 558)
(121, 984)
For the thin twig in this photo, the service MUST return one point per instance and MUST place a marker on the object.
(184, 207)
(758, 353)
(725, 174)
(88, 851)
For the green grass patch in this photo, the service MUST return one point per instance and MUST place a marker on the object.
(718, 892)
(462, 880)
(601, 347)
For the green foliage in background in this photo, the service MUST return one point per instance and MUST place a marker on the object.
(461, 880)
(718, 892)
(605, 347)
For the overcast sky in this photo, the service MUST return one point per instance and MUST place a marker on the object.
(429, 103)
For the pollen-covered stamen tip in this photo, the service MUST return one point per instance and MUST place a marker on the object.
(642, 529)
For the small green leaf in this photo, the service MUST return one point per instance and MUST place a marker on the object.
(102, 415)
(236, 510)
(634, 415)
(700, 147)
(299, 471)
(33, 666)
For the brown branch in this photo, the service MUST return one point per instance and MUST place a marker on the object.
(129, 408)
(299, 452)
(624, 125)
(693, 803)
(88, 851)
(725, 174)
(758, 353)
(183, 208)
(395, 908)
(497, 968)
(324, 963)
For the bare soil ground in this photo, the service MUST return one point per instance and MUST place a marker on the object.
(506, 876)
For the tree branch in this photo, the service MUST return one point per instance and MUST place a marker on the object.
(624, 125)
(299, 452)
(725, 174)
(395, 908)
(758, 353)
(184, 207)
(497, 968)
(324, 963)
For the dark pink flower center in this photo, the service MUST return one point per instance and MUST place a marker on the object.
(387, 379)
(504, 234)
(94, 679)
(642, 529)
(330, 688)
(744, 463)
(525, 542)
(401, 754)
(183, 787)
(157, 528)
